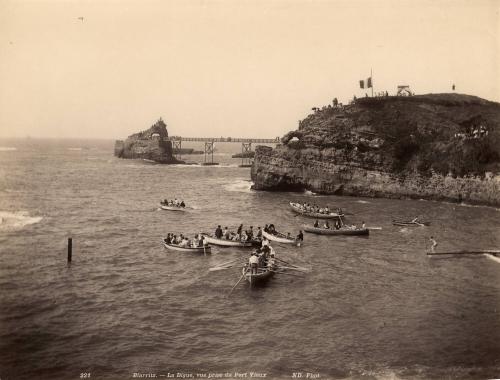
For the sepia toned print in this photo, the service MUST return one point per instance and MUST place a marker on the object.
(236, 190)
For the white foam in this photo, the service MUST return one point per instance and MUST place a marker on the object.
(309, 192)
(359, 201)
(242, 186)
(78, 149)
(17, 220)
(7, 148)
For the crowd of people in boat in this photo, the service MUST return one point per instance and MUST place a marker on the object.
(184, 242)
(239, 235)
(307, 207)
(337, 225)
(263, 257)
(173, 203)
(270, 229)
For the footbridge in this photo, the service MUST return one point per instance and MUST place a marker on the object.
(246, 146)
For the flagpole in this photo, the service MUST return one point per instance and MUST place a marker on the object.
(371, 76)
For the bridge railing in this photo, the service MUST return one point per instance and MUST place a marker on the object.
(226, 139)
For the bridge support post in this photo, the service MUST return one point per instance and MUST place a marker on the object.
(209, 153)
(177, 144)
(246, 149)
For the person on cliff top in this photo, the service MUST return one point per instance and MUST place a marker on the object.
(433, 244)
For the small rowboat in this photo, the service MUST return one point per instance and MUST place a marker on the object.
(262, 275)
(340, 231)
(410, 223)
(173, 208)
(279, 237)
(332, 215)
(227, 243)
(175, 247)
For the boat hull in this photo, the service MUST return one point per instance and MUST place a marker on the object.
(173, 208)
(201, 250)
(316, 215)
(278, 239)
(341, 231)
(403, 223)
(227, 243)
(259, 278)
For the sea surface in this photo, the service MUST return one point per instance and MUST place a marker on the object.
(371, 308)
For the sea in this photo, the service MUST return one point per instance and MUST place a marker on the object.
(373, 307)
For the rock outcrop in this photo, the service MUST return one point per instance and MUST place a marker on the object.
(440, 146)
(151, 144)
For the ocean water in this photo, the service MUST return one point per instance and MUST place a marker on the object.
(371, 308)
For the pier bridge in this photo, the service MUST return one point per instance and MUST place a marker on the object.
(246, 146)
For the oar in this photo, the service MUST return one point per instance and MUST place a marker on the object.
(478, 252)
(241, 278)
(296, 268)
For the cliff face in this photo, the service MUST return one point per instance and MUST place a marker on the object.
(443, 146)
(151, 144)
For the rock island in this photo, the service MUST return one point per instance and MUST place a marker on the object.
(152, 144)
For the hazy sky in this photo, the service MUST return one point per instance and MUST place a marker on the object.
(228, 68)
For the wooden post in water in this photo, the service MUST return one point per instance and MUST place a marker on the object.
(70, 249)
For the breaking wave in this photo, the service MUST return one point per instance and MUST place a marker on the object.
(7, 148)
(17, 220)
(242, 186)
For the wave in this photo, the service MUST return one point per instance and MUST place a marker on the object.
(309, 192)
(17, 220)
(360, 201)
(7, 148)
(242, 186)
(78, 149)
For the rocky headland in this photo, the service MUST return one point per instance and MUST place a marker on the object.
(151, 144)
(436, 146)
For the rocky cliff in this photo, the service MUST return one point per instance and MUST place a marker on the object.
(151, 144)
(438, 146)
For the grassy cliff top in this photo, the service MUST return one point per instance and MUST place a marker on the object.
(445, 133)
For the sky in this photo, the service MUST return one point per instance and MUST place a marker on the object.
(229, 67)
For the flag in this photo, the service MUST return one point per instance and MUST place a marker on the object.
(361, 84)
(369, 82)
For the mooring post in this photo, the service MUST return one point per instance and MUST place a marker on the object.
(70, 249)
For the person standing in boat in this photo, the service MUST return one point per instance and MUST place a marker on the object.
(259, 233)
(218, 232)
(433, 244)
(227, 235)
(326, 225)
(240, 228)
(253, 261)
(316, 223)
(183, 204)
(300, 236)
(265, 242)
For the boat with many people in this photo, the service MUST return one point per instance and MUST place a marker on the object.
(173, 205)
(176, 247)
(300, 209)
(279, 237)
(344, 230)
(229, 243)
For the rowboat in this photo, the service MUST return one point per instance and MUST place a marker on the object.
(410, 223)
(175, 247)
(228, 243)
(332, 215)
(340, 231)
(279, 237)
(263, 274)
(173, 208)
